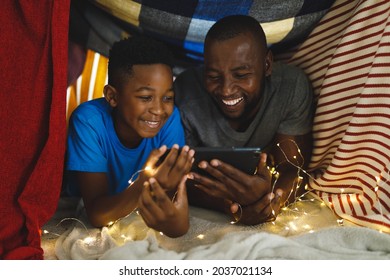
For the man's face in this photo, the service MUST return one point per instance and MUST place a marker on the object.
(144, 103)
(235, 71)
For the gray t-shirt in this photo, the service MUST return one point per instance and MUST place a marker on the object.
(286, 108)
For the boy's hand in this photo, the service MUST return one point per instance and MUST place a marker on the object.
(173, 168)
(162, 214)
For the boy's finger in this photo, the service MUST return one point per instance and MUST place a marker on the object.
(155, 156)
(181, 196)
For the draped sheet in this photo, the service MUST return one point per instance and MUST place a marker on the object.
(33, 54)
(347, 58)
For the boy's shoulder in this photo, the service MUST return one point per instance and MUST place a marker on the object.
(91, 109)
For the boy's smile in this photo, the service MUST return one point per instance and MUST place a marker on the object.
(143, 104)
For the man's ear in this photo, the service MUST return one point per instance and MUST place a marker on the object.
(269, 58)
(110, 94)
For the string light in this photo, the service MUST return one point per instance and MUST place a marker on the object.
(290, 215)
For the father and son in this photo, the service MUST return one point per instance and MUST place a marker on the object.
(239, 97)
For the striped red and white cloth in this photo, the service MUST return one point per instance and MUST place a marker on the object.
(347, 58)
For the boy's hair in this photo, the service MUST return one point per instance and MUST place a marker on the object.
(234, 25)
(137, 50)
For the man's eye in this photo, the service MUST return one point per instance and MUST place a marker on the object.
(241, 75)
(212, 77)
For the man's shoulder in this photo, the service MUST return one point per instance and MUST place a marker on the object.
(287, 77)
(284, 70)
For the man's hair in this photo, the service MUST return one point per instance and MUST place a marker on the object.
(137, 50)
(234, 25)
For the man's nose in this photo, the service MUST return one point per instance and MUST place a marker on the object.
(227, 86)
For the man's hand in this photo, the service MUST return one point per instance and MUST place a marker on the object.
(233, 184)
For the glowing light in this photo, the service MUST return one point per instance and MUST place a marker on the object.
(89, 240)
(161, 233)
(126, 238)
(149, 170)
(293, 226)
(45, 231)
(110, 223)
(200, 236)
(342, 190)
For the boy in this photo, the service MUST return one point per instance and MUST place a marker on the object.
(121, 136)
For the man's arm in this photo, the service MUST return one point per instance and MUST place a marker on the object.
(291, 155)
(254, 195)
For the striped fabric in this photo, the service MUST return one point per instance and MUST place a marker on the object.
(90, 84)
(347, 57)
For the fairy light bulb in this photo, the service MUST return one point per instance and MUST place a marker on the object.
(200, 236)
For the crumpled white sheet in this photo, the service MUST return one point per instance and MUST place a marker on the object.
(333, 243)
(308, 230)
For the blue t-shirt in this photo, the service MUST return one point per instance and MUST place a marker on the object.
(93, 145)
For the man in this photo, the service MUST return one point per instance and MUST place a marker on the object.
(241, 98)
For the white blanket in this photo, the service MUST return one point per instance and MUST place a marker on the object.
(306, 231)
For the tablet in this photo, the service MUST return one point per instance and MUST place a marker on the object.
(245, 159)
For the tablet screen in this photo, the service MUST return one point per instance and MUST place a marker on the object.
(245, 159)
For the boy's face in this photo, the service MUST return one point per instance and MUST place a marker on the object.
(235, 71)
(143, 103)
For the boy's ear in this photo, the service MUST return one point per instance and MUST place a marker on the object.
(110, 95)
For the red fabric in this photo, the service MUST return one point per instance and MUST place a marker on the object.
(33, 55)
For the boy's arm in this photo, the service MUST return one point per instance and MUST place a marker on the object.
(101, 207)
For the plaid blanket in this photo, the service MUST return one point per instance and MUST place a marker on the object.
(183, 24)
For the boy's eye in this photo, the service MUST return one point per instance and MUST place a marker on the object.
(168, 98)
(145, 98)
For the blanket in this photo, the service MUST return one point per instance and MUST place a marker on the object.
(33, 53)
(305, 230)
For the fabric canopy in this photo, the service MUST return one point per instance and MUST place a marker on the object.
(33, 53)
